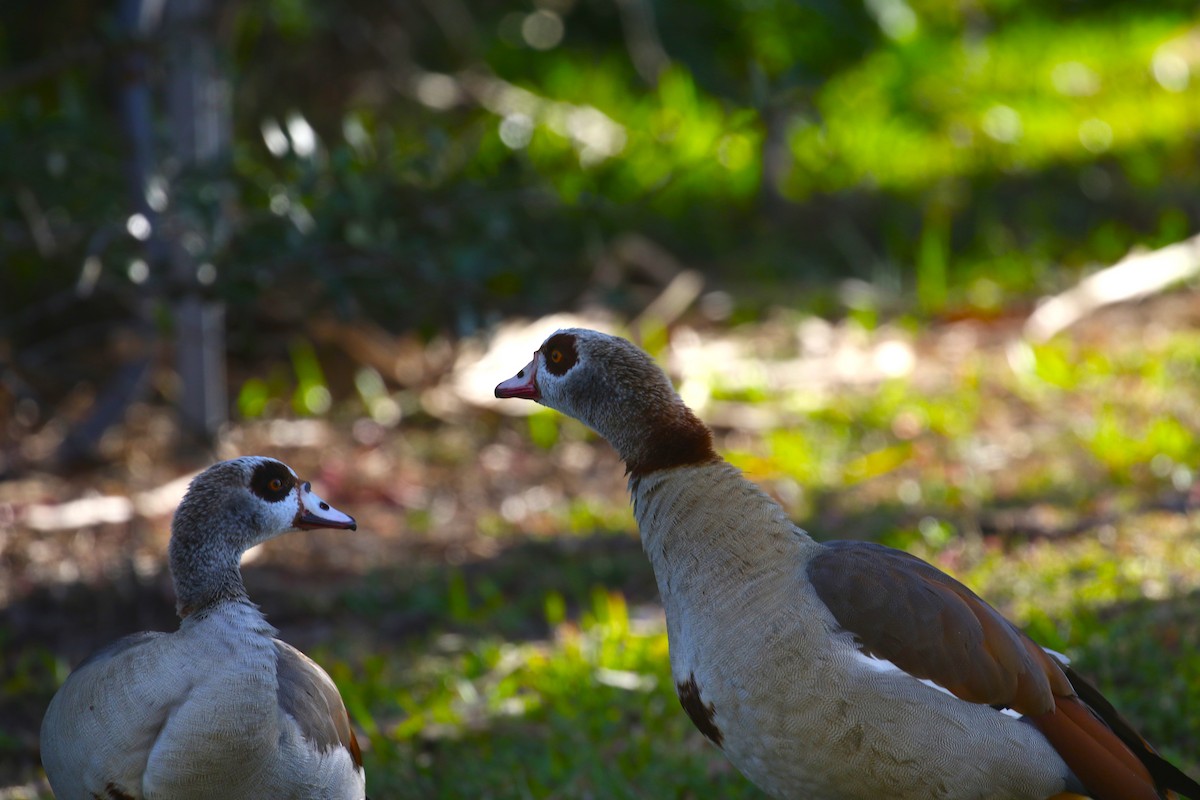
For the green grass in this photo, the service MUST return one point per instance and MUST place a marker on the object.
(1036, 475)
(590, 712)
(1101, 572)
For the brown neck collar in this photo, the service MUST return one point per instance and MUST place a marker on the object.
(676, 439)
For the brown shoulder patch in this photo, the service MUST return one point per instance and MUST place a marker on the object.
(113, 792)
(702, 715)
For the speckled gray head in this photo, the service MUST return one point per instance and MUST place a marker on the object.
(229, 508)
(618, 391)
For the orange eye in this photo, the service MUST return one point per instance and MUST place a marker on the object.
(556, 356)
(275, 485)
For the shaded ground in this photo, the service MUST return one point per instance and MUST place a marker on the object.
(1057, 485)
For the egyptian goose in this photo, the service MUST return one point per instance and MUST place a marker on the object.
(219, 708)
(840, 669)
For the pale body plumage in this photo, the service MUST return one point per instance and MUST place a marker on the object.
(791, 694)
(220, 707)
(212, 719)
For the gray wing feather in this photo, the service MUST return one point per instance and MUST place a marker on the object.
(308, 695)
(931, 626)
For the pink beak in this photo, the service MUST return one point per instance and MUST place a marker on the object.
(523, 384)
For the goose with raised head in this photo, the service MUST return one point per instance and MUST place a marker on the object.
(840, 670)
(219, 707)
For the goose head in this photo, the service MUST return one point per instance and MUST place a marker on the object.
(229, 508)
(618, 391)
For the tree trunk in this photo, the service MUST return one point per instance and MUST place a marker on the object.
(200, 126)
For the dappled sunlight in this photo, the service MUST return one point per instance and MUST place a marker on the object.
(1127, 98)
(1137, 275)
(496, 596)
(1149, 555)
(927, 269)
(555, 704)
(594, 134)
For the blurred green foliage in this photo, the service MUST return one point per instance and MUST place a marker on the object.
(435, 165)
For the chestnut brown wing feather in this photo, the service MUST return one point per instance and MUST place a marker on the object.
(904, 610)
(909, 612)
(1165, 774)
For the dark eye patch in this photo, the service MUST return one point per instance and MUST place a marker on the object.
(564, 344)
(272, 481)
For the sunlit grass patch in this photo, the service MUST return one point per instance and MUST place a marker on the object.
(1119, 600)
(590, 712)
(591, 709)
(1025, 95)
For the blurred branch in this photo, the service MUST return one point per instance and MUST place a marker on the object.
(1042, 521)
(641, 39)
(122, 390)
(1137, 275)
(199, 115)
(134, 100)
(39, 225)
(458, 26)
(776, 158)
(673, 287)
